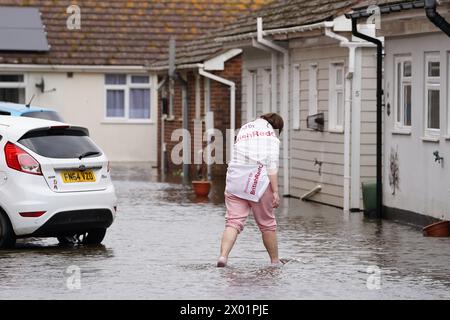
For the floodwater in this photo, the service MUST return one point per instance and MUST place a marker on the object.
(164, 245)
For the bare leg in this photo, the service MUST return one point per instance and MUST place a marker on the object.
(271, 244)
(228, 239)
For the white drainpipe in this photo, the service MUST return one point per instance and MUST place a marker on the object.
(232, 86)
(284, 97)
(344, 42)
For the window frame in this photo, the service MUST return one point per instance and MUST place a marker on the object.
(16, 85)
(313, 92)
(334, 90)
(399, 101)
(127, 87)
(432, 83)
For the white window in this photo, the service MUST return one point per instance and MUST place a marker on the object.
(432, 94)
(12, 88)
(252, 87)
(127, 97)
(336, 97)
(403, 93)
(313, 94)
(296, 97)
(267, 90)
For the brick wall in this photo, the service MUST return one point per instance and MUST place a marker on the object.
(220, 105)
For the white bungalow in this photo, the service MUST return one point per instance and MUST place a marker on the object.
(416, 114)
(306, 65)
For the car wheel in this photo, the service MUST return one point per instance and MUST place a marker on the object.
(95, 236)
(7, 236)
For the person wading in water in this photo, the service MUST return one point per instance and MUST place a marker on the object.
(252, 184)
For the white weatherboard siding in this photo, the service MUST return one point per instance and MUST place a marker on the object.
(424, 185)
(81, 100)
(368, 118)
(307, 145)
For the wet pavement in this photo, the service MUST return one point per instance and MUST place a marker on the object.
(164, 244)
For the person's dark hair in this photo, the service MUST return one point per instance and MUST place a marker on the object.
(275, 120)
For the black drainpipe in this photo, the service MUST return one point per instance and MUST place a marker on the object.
(379, 44)
(435, 17)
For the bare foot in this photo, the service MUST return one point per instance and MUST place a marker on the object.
(222, 262)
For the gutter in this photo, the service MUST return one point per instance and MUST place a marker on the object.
(435, 17)
(284, 101)
(72, 68)
(250, 35)
(379, 44)
(179, 67)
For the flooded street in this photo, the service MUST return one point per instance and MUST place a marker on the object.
(164, 245)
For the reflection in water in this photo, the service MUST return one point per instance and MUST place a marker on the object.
(165, 242)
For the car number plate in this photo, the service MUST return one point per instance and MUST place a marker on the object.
(78, 176)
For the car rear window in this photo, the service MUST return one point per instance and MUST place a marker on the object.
(46, 115)
(60, 143)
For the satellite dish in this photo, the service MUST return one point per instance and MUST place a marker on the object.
(41, 85)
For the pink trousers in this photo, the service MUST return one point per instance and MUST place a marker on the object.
(238, 210)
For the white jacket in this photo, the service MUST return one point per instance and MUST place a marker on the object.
(255, 155)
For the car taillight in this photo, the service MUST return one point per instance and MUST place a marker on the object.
(36, 214)
(20, 160)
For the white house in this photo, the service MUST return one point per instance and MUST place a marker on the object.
(416, 114)
(302, 65)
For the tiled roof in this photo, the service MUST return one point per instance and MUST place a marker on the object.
(290, 13)
(119, 32)
(277, 14)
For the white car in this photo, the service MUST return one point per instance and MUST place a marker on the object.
(54, 182)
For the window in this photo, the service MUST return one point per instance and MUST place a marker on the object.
(60, 143)
(432, 94)
(12, 88)
(296, 97)
(127, 97)
(403, 93)
(336, 97)
(313, 94)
